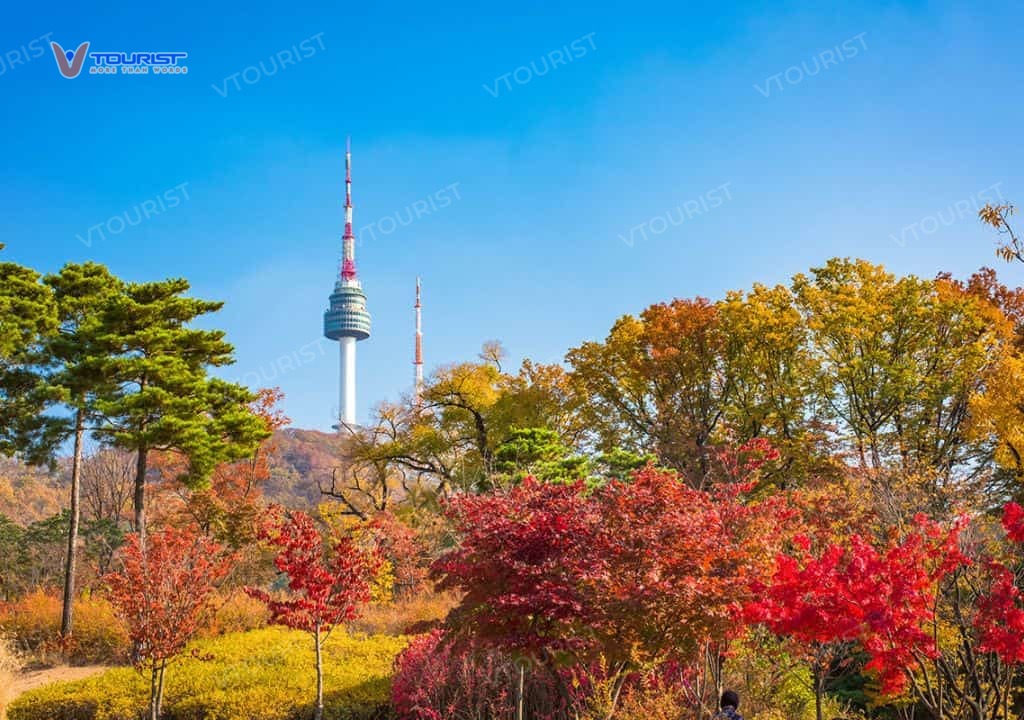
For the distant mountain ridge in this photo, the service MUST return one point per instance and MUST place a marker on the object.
(299, 458)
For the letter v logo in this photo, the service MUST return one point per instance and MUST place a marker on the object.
(69, 63)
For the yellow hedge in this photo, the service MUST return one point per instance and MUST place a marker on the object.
(260, 675)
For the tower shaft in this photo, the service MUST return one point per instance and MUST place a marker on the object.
(418, 358)
(347, 386)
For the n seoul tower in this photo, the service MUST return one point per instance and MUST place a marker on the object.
(346, 320)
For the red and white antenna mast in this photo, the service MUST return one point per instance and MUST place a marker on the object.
(418, 360)
(348, 240)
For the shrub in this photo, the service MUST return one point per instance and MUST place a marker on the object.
(33, 624)
(99, 635)
(260, 674)
(10, 664)
(659, 705)
(236, 612)
(436, 680)
(413, 615)
(32, 621)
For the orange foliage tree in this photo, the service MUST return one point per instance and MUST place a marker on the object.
(163, 592)
(228, 507)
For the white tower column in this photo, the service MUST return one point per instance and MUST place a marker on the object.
(347, 401)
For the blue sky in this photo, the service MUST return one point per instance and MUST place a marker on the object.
(686, 149)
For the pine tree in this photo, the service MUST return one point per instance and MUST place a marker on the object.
(164, 398)
(81, 375)
(28, 315)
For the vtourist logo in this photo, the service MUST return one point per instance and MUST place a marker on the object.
(70, 63)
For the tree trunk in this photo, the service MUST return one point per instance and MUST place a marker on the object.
(319, 714)
(160, 691)
(154, 685)
(819, 689)
(67, 611)
(520, 687)
(140, 497)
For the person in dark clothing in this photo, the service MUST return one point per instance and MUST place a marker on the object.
(730, 703)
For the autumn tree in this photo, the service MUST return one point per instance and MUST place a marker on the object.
(402, 550)
(449, 440)
(659, 383)
(688, 377)
(326, 585)
(850, 366)
(997, 406)
(366, 477)
(898, 361)
(998, 216)
(227, 508)
(162, 592)
(835, 597)
(997, 414)
(978, 628)
(772, 365)
(986, 286)
(1000, 617)
(108, 476)
(625, 576)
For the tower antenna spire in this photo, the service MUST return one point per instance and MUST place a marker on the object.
(348, 239)
(418, 358)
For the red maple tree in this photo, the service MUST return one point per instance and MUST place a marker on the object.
(163, 593)
(623, 577)
(518, 564)
(326, 586)
(881, 599)
(1000, 617)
